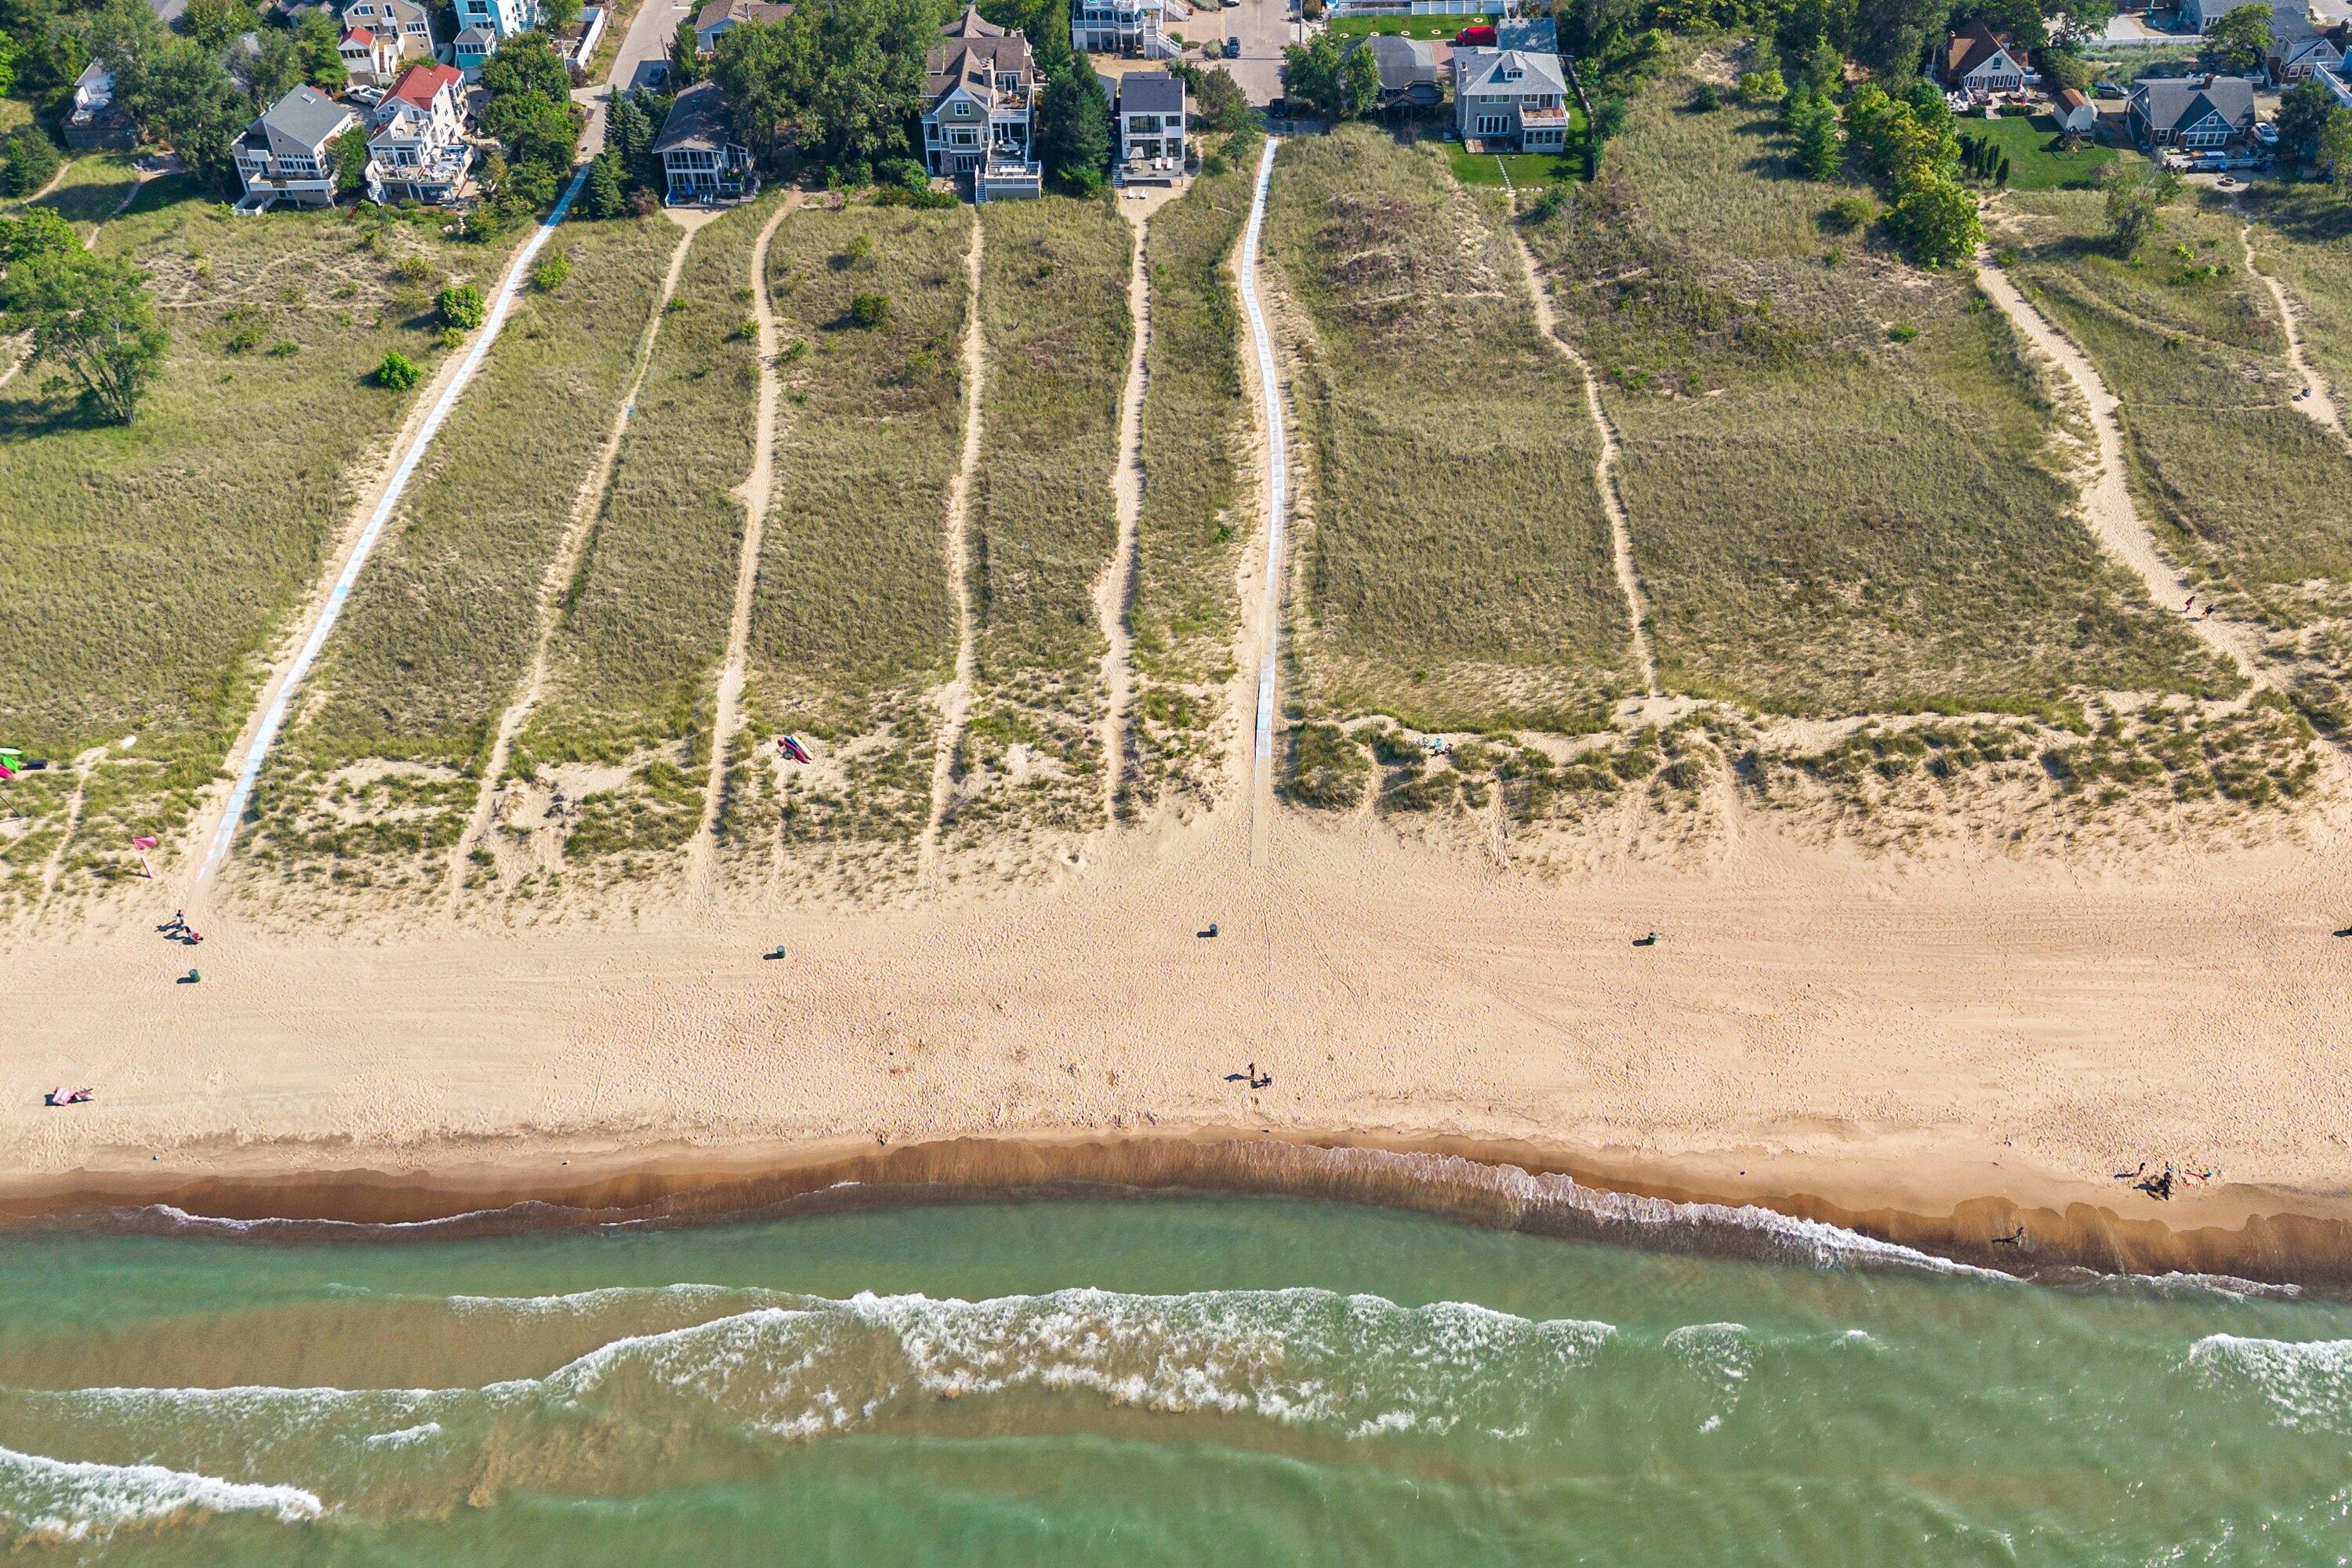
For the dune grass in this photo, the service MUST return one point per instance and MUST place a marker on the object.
(94, 185)
(148, 568)
(1841, 474)
(1457, 565)
(2303, 236)
(1054, 309)
(2245, 491)
(1196, 510)
(853, 625)
(441, 626)
(631, 672)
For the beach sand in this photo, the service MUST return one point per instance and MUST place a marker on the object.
(1813, 1026)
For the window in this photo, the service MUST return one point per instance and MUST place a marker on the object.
(1493, 124)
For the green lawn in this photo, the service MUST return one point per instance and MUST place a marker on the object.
(1443, 27)
(94, 187)
(2036, 162)
(1525, 171)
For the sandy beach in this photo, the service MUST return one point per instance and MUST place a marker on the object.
(1813, 1026)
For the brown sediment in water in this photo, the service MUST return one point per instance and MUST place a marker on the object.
(2245, 1232)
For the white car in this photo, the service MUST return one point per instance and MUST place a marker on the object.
(2266, 133)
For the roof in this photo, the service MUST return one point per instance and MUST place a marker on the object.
(973, 51)
(1538, 33)
(2169, 104)
(362, 37)
(420, 84)
(1489, 70)
(972, 24)
(477, 35)
(697, 120)
(720, 11)
(2073, 97)
(1150, 92)
(305, 115)
(1405, 63)
(1970, 47)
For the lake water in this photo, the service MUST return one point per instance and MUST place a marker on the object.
(1138, 1381)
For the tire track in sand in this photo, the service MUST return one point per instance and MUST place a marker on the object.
(955, 698)
(755, 492)
(584, 508)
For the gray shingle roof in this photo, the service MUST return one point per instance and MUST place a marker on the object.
(1150, 92)
(304, 115)
(2175, 103)
(1487, 71)
(698, 119)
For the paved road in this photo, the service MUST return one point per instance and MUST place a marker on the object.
(646, 44)
(1263, 26)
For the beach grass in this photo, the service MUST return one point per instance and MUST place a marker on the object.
(1845, 492)
(1457, 566)
(633, 667)
(150, 568)
(1053, 312)
(853, 626)
(441, 625)
(1196, 512)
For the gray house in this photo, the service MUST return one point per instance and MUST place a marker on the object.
(282, 157)
(978, 83)
(702, 162)
(2196, 113)
(1413, 74)
(1510, 98)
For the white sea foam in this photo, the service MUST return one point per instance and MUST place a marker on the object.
(2308, 1382)
(405, 1437)
(72, 1500)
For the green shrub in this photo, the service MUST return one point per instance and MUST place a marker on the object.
(460, 307)
(1848, 214)
(398, 372)
(870, 311)
(550, 275)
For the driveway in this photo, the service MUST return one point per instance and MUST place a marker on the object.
(1263, 26)
(646, 43)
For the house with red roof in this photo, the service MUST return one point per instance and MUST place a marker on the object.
(1981, 63)
(380, 34)
(418, 150)
(370, 59)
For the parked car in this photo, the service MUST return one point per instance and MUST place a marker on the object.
(1233, 48)
(2266, 133)
(2107, 89)
(1479, 35)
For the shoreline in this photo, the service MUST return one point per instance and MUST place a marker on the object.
(2245, 1233)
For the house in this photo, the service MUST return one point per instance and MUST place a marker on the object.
(370, 59)
(701, 162)
(714, 20)
(474, 45)
(2293, 61)
(282, 157)
(1148, 116)
(980, 83)
(492, 22)
(2202, 14)
(1413, 73)
(1980, 63)
(418, 150)
(2338, 83)
(1514, 99)
(95, 119)
(2195, 112)
(1125, 28)
(408, 24)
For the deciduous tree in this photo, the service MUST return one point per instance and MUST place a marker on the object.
(2136, 205)
(92, 318)
(2240, 39)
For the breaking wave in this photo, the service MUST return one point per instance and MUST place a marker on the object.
(2308, 1382)
(66, 1499)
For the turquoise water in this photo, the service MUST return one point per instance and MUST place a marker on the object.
(1182, 1381)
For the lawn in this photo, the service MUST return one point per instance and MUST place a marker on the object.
(2245, 490)
(1843, 488)
(385, 754)
(93, 186)
(623, 732)
(2037, 162)
(854, 625)
(1440, 28)
(148, 569)
(1456, 567)
(1524, 172)
(1053, 312)
(1197, 512)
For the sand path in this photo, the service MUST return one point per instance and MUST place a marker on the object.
(1604, 469)
(755, 492)
(52, 868)
(1277, 509)
(955, 698)
(2107, 496)
(2317, 399)
(1115, 590)
(370, 517)
(584, 508)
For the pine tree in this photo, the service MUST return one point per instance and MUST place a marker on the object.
(1076, 133)
(602, 196)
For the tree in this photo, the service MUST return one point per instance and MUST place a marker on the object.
(274, 70)
(527, 66)
(7, 65)
(1814, 125)
(39, 232)
(347, 154)
(558, 15)
(1074, 129)
(1310, 77)
(2333, 151)
(1761, 87)
(2065, 67)
(870, 311)
(1608, 119)
(2302, 115)
(2135, 205)
(1359, 84)
(536, 131)
(92, 318)
(1891, 35)
(1589, 30)
(459, 306)
(858, 69)
(215, 24)
(398, 372)
(2021, 19)
(602, 196)
(2073, 22)
(2240, 39)
(1934, 220)
(322, 42)
(755, 68)
(28, 160)
(627, 131)
(183, 96)
(686, 67)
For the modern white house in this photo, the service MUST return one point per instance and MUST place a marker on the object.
(282, 157)
(408, 25)
(1510, 98)
(720, 17)
(702, 163)
(1127, 27)
(370, 59)
(1148, 116)
(417, 150)
(979, 90)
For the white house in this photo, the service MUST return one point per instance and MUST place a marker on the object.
(370, 59)
(1980, 63)
(96, 119)
(417, 150)
(2202, 14)
(1125, 28)
(702, 163)
(406, 24)
(980, 83)
(720, 17)
(490, 23)
(282, 157)
(1148, 115)
(1516, 98)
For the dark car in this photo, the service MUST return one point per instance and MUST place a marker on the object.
(2108, 89)
(1233, 48)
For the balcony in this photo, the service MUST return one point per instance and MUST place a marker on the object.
(1543, 120)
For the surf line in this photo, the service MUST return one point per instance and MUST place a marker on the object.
(274, 718)
(1277, 479)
